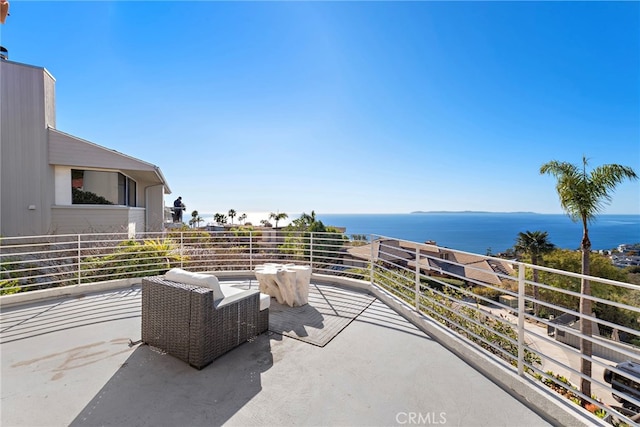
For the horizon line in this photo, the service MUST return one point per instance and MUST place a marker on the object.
(418, 212)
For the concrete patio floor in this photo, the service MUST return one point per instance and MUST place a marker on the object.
(70, 361)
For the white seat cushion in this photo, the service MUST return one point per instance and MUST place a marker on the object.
(197, 279)
(265, 300)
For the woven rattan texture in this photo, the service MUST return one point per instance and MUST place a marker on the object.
(186, 322)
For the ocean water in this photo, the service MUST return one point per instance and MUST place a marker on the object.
(494, 232)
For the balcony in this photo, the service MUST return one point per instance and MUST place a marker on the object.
(400, 338)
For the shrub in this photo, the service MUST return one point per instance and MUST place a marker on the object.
(8, 287)
(132, 259)
(80, 197)
(10, 281)
(489, 293)
(495, 336)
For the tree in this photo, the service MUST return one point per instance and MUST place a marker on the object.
(306, 235)
(307, 223)
(220, 218)
(232, 214)
(309, 218)
(600, 266)
(196, 219)
(278, 217)
(583, 195)
(535, 244)
(265, 223)
(242, 218)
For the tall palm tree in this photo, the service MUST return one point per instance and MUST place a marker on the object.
(193, 220)
(535, 244)
(582, 196)
(242, 218)
(232, 214)
(306, 219)
(220, 218)
(278, 217)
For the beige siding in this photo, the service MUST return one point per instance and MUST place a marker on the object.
(27, 178)
(137, 220)
(69, 150)
(154, 208)
(49, 101)
(96, 219)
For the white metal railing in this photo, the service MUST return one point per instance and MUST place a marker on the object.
(463, 291)
(490, 302)
(37, 262)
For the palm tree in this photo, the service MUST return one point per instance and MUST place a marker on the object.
(308, 219)
(220, 218)
(193, 220)
(535, 244)
(232, 214)
(308, 223)
(242, 218)
(278, 217)
(582, 196)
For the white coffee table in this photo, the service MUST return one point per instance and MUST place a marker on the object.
(288, 283)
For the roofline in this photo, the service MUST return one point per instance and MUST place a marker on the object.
(155, 168)
(37, 67)
(167, 190)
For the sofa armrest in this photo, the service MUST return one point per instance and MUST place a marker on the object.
(216, 329)
(235, 298)
(166, 313)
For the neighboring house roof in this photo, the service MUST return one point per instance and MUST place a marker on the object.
(391, 250)
(360, 252)
(471, 266)
(477, 268)
(69, 150)
(466, 265)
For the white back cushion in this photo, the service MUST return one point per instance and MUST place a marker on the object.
(197, 279)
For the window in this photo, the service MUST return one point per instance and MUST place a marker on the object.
(131, 191)
(102, 188)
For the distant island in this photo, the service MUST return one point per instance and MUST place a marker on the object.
(472, 212)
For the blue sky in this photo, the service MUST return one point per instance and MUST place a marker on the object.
(347, 107)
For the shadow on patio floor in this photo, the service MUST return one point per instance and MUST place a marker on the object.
(329, 311)
(153, 388)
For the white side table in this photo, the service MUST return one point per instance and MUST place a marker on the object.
(288, 283)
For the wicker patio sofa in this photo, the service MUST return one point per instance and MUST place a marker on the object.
(188, 321)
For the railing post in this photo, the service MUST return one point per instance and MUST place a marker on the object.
(79, 259)
(311, 251)
(250, 250)
(182, 249)
(371, 269)
(521, 270)
(417, 279)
